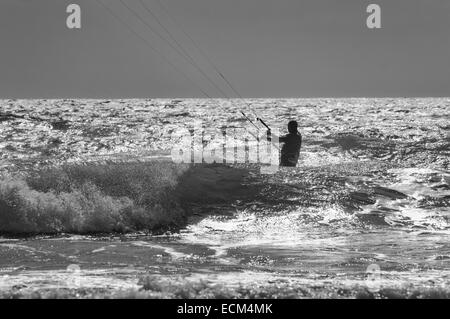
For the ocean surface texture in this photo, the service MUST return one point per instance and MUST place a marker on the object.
(91, 203)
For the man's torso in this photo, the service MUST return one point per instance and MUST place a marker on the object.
(291, 149)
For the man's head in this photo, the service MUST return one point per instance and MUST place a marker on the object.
(292, 127)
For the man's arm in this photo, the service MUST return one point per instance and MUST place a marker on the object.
(281, 139)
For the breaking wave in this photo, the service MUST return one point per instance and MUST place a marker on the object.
(158, 196)
(91, 199)
(125, 197)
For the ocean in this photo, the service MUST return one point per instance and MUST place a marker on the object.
(91, 203)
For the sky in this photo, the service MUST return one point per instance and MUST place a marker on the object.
(264, 48)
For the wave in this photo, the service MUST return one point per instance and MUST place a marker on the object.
(91, 199)
(159, 195)
(105, 198)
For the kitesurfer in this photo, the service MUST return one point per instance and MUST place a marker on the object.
(292, 142)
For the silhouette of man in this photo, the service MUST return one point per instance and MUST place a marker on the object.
(292, 143)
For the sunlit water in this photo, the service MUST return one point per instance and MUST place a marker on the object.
(372, 188)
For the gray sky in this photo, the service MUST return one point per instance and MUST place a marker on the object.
(266, 48)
